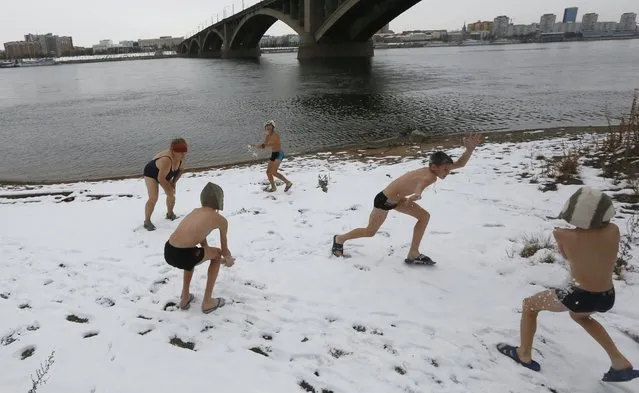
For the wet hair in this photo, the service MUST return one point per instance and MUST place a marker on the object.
(440, 158)
(179, 145)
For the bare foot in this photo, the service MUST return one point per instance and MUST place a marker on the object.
(524, 359)
(210, 305)
(185, 301)
(621, 363)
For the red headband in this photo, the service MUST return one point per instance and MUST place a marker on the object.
(180, 148)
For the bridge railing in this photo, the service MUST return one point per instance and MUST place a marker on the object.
(222, 12)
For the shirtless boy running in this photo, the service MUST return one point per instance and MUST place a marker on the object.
(182, 251)
(401, 194)
(591, 250)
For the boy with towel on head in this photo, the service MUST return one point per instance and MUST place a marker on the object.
(182, 251)
(591, 250)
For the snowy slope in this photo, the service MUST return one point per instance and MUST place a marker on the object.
(367, 323)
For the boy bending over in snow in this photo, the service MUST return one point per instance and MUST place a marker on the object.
(401, 194)
(182, 251)
(591, 250)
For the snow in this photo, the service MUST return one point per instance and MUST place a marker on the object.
(426, 328)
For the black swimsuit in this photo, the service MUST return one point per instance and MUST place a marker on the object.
(183, 258)
(581, 301)
(381, 201)
(151, 170)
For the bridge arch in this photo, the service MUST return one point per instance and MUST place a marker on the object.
(358, 21)
(183, 49)
(194, 47)
(213, 41)
(252, 27)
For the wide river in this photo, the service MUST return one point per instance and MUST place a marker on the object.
(85, 121)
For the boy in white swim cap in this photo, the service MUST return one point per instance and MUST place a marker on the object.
(272, 139)
(591, 249)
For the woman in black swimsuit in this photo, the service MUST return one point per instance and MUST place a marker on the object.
(164, 169)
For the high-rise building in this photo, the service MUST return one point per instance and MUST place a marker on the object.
(588, 21)
(570, 15)
(547, 23)
(628, 22)
(500, 26)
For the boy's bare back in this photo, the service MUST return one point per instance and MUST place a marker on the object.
(592, 255)
(409, 182)
(196, 226)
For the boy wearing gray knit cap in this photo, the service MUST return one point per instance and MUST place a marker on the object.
(591, 250)
(182, 250)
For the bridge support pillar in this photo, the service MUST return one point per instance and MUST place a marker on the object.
(308, 51)
(243, 53)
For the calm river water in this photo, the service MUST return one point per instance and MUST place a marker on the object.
(85, 121)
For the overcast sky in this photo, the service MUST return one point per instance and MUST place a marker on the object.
(90, 21)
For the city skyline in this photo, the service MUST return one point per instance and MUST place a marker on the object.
(149, 19)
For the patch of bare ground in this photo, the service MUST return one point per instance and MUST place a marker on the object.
(616, 154)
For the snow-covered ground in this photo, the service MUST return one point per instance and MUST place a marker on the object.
(368, 323)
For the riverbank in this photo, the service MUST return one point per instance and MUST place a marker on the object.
(92, 304)
(393, 148)
(87, 59)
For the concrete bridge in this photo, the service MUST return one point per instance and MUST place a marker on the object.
(327, 28)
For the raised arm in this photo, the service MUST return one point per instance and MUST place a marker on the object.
(470, 143)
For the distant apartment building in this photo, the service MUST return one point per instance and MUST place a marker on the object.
(103, 46)
(588, 21)
(108, 46)
(51, 45)
(22, 49)
(547, 23)
(569, 27)
(628, 22)
(570, 15)
(500, 26)
(479, 26)
(58, 46)
(166, 42)
(606, 26)
(522, 30)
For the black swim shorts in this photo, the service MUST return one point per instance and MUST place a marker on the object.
(183, 258)
(381, 202)
(582, 301)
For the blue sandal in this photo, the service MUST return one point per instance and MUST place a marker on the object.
(338, 249)
(511, 352)
(420, 260)
(624, 375)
